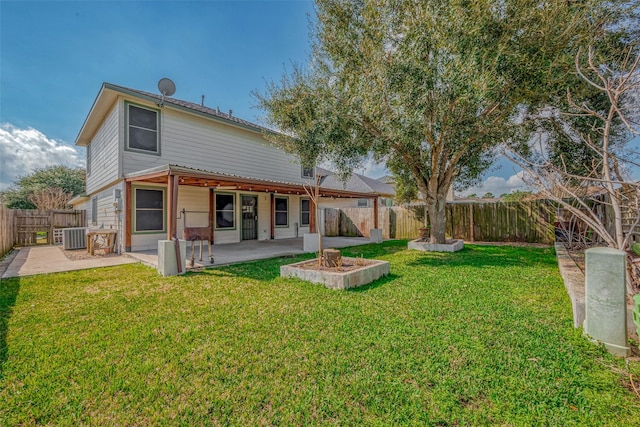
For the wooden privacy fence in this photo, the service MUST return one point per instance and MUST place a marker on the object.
(490, 222)
(7, 233)
(32, 227)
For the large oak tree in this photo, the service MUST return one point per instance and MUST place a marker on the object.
(433, 87)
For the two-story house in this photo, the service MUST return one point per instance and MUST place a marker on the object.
(156, 165)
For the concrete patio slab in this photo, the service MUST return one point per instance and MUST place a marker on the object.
(50, 259)
(33, 260)
(248, 250)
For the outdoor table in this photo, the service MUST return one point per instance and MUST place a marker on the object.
(108, 235)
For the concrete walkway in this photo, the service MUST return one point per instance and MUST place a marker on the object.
(50, 259)
(248, 250)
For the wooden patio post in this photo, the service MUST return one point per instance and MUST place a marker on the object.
(212, 214)
(127, 216)
(273, 215)
(375, 213)
(172, 207)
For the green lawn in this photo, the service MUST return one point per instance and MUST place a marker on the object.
(483, 337)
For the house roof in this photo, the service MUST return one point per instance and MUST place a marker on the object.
(213, 179)
(356, 182)
(109, 92)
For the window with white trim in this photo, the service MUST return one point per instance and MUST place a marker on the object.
(281, 211)
(225, 210)
(305, 206)
(363, 203)
(149, 210)
(142, 129)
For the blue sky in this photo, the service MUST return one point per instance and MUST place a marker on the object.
(54, 56)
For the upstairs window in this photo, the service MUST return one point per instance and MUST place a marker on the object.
(363, 203)
(307, 172)
(142, 129)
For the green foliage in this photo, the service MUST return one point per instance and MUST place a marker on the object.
(516, 196)
(487, 195)
(302, 108)
(70, 180)
(480, 337)
(430, 87)
(635, 247)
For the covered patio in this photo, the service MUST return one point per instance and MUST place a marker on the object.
(259, 210)
(248, 250)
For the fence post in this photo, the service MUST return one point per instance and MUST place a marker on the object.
(471, 225)
(50, 232)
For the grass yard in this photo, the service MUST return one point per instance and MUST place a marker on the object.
(480, 337)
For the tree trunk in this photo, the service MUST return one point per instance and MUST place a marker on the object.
(438, 219)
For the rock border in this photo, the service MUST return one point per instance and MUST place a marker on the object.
(339, 279)
(455, 246)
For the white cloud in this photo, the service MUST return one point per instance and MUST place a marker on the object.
(373, 169)
(24, 150)
(369, 168)
(499, 185)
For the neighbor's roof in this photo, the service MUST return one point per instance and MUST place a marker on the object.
(356, 182)
(109, 93)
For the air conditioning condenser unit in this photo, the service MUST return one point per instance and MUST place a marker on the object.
(74, 238)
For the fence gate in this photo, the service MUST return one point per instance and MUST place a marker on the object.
(37, 227)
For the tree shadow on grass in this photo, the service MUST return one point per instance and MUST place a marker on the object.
(375, 284)
(486, 256)
(9, 289)
(375, 250)
(269, 269)
(260, 270)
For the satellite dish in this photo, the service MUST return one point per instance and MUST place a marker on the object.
(166, 87)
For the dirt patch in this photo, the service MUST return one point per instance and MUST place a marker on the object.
(348, 264)
(80, 254)
(427, 240)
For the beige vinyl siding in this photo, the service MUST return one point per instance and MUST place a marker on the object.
(84, 206)
(106, 211)
(195, 142)
(195, 201)
(104, 153)
(326, 202)
(107, 217)
(264, 216)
